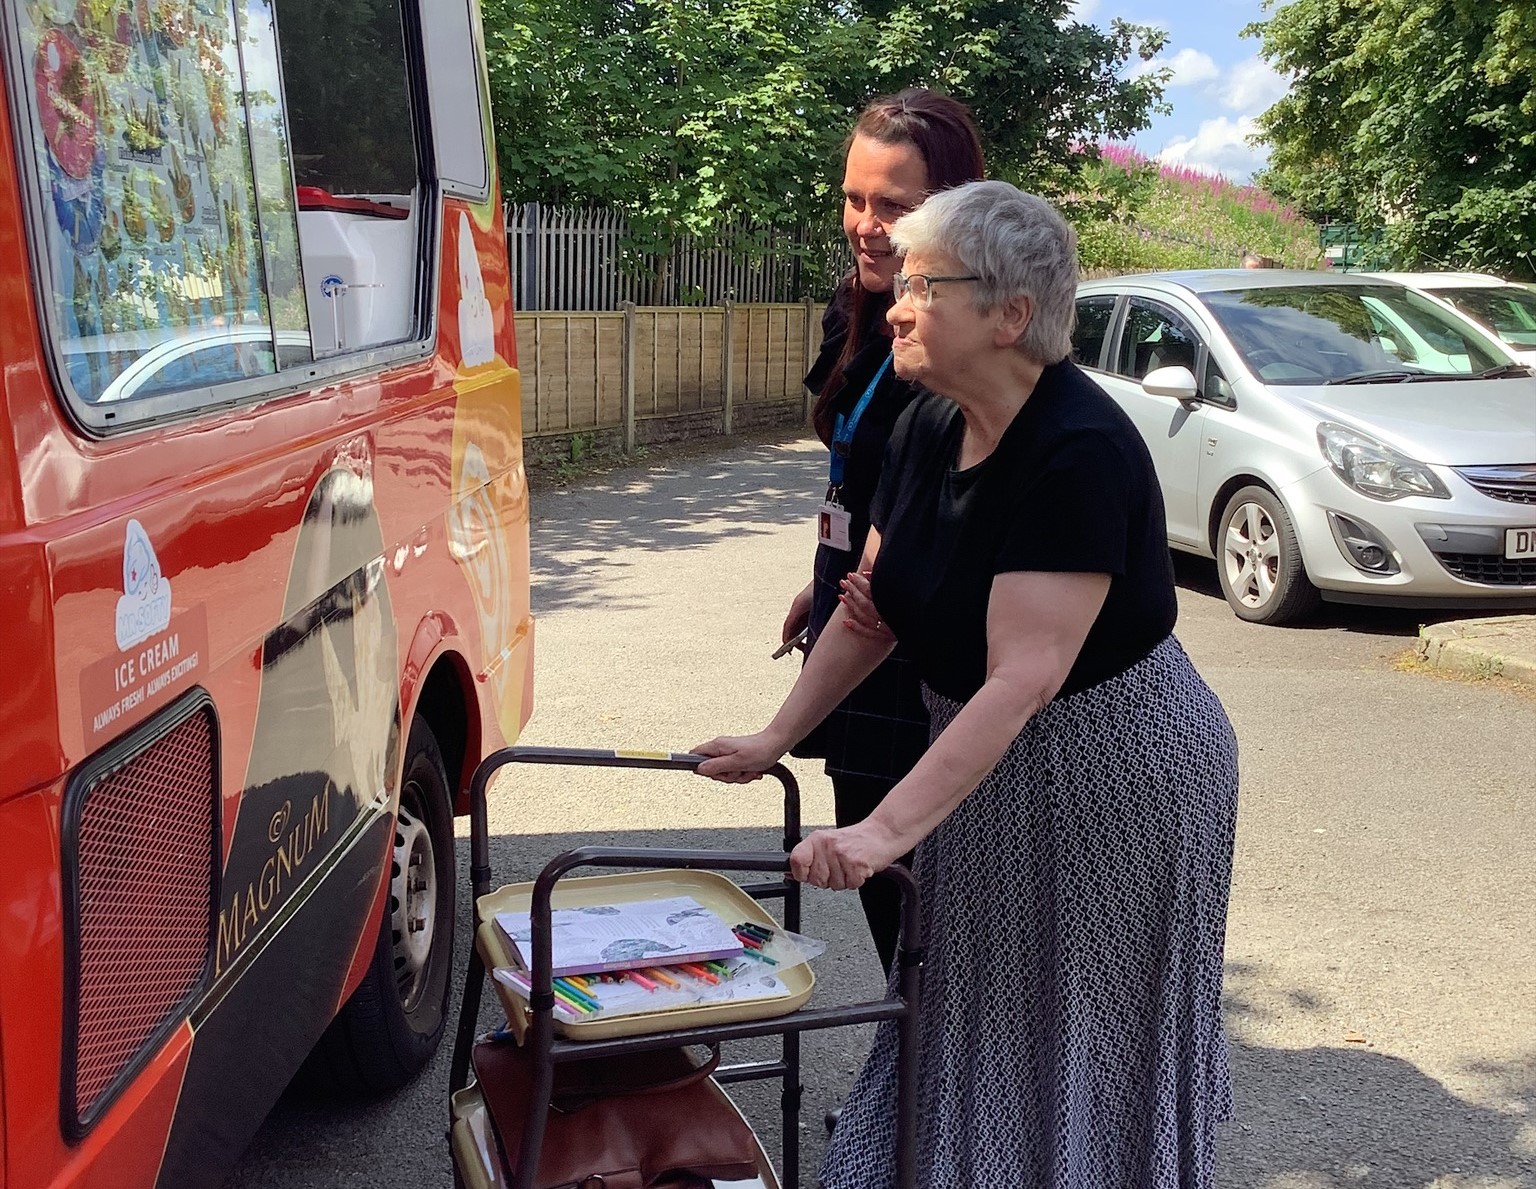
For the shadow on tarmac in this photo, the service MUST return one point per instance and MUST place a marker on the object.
(692, 502)
(689, 503)
(1197, 575)
(1349, 1115)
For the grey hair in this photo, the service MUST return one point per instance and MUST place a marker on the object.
(1017, 243)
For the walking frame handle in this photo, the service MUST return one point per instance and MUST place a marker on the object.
(674, 761)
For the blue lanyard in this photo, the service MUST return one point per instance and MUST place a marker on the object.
(844, 428)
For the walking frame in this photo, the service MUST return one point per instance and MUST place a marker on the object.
(547, 1050)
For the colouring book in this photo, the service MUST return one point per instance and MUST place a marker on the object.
(600, 937)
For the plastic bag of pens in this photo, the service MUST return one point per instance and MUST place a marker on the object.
(753, 975)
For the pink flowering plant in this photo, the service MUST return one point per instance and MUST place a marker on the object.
(1134, 214)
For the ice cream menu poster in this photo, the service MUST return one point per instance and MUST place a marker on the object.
(139, 114)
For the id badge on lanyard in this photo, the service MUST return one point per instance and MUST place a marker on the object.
(832, 524)
(833, 521)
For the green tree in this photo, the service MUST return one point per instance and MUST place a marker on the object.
(680, 112)
(1041, 85)
(1415, 116)
(675, 111)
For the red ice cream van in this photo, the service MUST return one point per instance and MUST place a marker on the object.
(263, 559)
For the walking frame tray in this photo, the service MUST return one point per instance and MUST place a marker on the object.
(663, 873)
(714, 892)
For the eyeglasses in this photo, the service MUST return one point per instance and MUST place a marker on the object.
(920, 286)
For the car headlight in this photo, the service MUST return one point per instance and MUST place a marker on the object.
(1375, 469)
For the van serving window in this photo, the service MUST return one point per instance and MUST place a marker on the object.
(354, 137)
(226, 190)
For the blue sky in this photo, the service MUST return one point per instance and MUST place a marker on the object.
(1219, 83)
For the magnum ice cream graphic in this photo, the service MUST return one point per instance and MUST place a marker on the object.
(324, 758)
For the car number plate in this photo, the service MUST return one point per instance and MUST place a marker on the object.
(1519, 543)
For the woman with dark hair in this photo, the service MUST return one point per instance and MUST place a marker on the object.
(903, 148)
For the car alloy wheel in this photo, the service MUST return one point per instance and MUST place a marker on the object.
(1251, 555)
(1259, 560)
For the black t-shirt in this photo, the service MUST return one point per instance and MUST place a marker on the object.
(1069, 489)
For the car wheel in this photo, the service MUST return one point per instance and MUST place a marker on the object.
(1259, 560)
(390, 1027)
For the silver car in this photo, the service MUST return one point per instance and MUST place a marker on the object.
(1324, 436)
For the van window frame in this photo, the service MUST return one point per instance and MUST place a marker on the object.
(96, 420)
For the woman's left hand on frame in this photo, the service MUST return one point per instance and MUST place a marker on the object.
(737, 759)
(843, 859)
(863, 616)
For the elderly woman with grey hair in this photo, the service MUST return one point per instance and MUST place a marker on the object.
(1074, 814)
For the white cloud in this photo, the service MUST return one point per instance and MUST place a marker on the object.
(1252, 85)
(1189, 67)
(1220, 146)
(1081, 10)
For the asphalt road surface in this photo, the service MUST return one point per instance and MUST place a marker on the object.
(1381, 957)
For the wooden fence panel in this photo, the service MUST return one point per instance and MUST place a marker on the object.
(690, 361)
(647, 397)
(712, 359)
(610, 369)
(573, 362)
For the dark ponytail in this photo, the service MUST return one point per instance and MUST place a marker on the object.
(941, 130)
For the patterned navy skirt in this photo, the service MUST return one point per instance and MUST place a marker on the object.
(1076, 907)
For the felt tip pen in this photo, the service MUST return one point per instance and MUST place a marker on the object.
(761, 957)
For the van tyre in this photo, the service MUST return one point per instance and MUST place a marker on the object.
(1258, 560)
(387, 1032)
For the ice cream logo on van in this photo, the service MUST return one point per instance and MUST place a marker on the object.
(145, 608)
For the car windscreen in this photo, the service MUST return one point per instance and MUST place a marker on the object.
(1507, 309)
(1320, 334)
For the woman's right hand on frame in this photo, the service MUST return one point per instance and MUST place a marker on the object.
(799, 616)
(737, 759)
(844, 859)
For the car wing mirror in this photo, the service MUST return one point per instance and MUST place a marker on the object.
(1177, 382)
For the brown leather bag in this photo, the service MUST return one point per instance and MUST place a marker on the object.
(637, 1121)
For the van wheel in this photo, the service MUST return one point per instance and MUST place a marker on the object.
(1258, 561)
(389, 1029)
